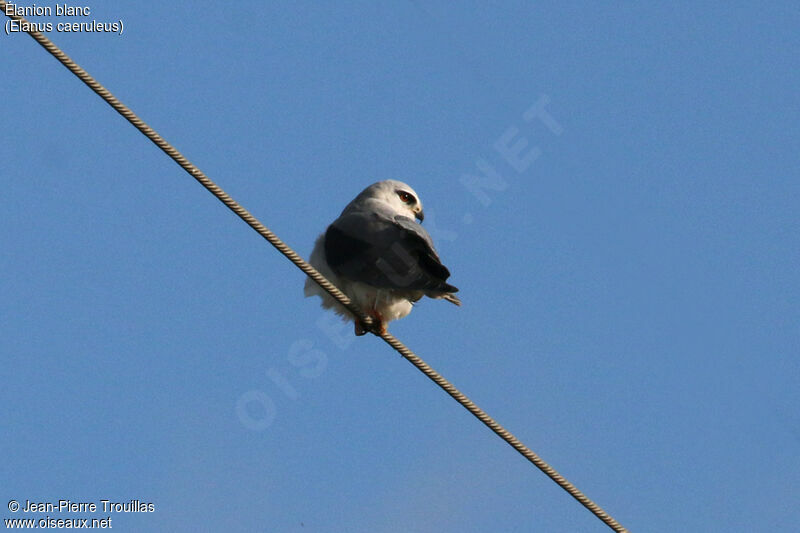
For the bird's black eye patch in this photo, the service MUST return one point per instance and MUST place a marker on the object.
(406, 197)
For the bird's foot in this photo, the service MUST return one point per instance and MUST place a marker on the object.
(378, 326)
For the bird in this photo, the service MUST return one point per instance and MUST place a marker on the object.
(378, 255)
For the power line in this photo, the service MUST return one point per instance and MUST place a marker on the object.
(282, 247)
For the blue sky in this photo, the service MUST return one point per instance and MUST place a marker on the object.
(630, 289)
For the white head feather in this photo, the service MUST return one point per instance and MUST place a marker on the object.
(396, 195)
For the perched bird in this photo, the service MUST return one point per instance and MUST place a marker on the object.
(380, 257)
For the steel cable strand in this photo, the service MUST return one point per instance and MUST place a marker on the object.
(503, 433)
(193, 170)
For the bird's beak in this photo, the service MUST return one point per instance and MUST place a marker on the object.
(420, 215)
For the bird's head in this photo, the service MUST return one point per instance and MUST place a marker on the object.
(399, 196)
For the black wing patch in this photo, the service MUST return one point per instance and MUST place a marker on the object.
(385, 254)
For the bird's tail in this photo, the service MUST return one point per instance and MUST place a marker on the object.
(452, 298)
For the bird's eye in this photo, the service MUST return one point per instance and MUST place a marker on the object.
(405, 197)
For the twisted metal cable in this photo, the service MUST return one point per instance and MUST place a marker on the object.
(282, 247)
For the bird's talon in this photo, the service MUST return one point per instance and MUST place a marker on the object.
(378, 325)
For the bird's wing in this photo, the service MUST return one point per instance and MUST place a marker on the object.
(386, 251)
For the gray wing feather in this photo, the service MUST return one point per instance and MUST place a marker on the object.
(421, 233)
(387, 251)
